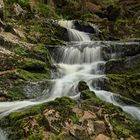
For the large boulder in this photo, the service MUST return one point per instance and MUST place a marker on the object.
(114, 66)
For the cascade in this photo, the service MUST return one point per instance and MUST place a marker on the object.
(78, 60)
(74, 35)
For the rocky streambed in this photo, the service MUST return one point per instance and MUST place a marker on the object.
(65, 79)
(86, 61)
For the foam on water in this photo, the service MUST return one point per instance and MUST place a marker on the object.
(74, 35)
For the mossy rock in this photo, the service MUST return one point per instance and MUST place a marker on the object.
(82, 85)
(17, 120)
(33, 65)
(125, 85)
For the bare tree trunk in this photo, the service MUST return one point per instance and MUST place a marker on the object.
(84, 5)
(1, 9)
(51, 4)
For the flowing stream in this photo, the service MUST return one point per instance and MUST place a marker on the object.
(79, 60)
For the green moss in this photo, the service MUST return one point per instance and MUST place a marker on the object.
(35, 137)
(123, 124)
(43, 54)
(125, 85)
(9, 62)
(19, 50)
(25, 75)
(64, 107)
(17, 117)
(33, 65)
(120, 129)
(24, 3)
(44, 9)
(16, 94)
(94, 100)
(17, 120)
(125, 128)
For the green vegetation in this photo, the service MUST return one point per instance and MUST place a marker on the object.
(125, 85)
(23, 3)
(31, 62)
(61, 111)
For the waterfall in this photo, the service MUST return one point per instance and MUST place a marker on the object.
(74, 35)
(79, 53)
(68, 24)
(78, 60)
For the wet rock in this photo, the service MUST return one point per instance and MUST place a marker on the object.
(120, 50)
(121, 65)
(86, 27)
(86, 94)
(127, 86)
(63, 33)
(100, 127)
(100, 83)
(36, 90)
(114, 66)
(82, 85)
(102, 137)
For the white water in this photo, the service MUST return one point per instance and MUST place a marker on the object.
(3, 135)
(75, 55)
(74, 35)
(80, 61)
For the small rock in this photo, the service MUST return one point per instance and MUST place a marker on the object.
(102, 137)
(77, 111)
(100, 126)
(87, 115)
